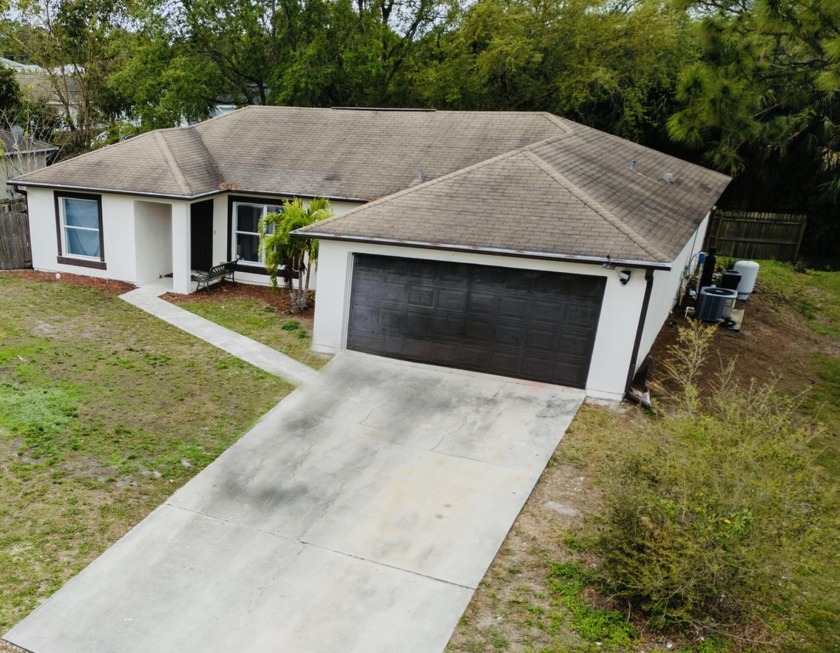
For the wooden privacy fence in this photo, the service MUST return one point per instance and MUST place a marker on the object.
(754, 234)
(15, 250)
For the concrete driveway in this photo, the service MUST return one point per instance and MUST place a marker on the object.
(358, 515)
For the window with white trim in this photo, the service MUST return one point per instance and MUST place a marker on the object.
(79, 226)
(246, 236)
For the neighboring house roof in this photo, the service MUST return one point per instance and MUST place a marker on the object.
(350, 154)
(575, 196)
(12, 145)
(42, 87)
(21, 67)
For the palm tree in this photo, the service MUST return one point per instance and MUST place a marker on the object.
(282, 251)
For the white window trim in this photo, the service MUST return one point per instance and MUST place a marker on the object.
(236, 230)
(64, 255)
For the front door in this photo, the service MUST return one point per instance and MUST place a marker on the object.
(201, 235)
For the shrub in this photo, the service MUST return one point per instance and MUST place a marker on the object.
(705, 509)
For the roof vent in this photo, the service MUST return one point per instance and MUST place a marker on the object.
(633, 165)
(668, 178)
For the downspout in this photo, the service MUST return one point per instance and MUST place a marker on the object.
(642, 317)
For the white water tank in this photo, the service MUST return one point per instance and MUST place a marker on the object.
(749, 273)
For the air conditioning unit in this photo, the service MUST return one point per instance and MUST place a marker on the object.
(715, 304)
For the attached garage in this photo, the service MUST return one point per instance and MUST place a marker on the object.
(556, 263)
(526, 324)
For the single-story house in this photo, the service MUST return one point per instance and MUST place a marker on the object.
(519, 244)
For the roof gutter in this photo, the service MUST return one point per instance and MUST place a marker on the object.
(496, 251)
(17, 184)
(87, 189)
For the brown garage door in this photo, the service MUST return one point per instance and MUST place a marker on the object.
(519, 323)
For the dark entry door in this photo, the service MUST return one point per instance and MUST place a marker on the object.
(201, 235)
(520, 323)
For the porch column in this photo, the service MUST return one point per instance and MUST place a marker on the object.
(181, 282)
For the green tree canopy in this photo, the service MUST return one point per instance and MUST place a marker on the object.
(765, 97)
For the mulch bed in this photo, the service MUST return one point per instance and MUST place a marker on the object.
(108, 285)
(277, 298)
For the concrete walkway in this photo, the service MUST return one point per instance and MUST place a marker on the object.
(358, 516)
(272, 361)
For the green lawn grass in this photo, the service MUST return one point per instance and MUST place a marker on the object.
(262, 323)
(104, 412)
(814, 294)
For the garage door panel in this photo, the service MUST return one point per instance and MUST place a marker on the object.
(395, 292)
(391, 321)
(433, 324)
(473, 357)
(394, 345)
(442, 353)
(369, 290)
(514, 307)
(479, 330)
(505, 363)
(510, 334)
(418, 349)
(541, 339)
(540, 366)
(451, 299)
(521, 323)
(547, 312)
(421, 296)
(482, 303)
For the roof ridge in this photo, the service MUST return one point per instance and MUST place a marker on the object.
(172, 162)
(556, 121)
(447, 177)
(210, 157)
(614, 221)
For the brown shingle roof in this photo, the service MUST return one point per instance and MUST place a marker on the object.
(353, 154)
(170, 161)
(574, 196)
(509, 182)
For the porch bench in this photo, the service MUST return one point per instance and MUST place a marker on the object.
(221, 271)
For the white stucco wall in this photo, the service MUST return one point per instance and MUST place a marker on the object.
(144, 239)
(117, 231)
(616, 329)
(666, 287)
(153, 239)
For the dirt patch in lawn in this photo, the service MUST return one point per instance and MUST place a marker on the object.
(110, 286)
(277, 298)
